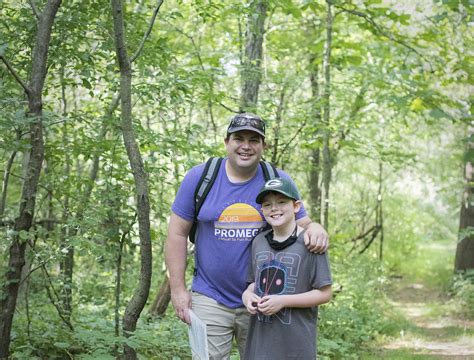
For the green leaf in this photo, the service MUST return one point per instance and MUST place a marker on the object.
(3, 48)
(438, 114)
(62, 345)
(86, 83)
(23, 235)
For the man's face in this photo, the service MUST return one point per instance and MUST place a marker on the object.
(244, 149)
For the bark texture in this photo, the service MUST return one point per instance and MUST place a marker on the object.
(138, 300)
(315, 171)
(465, 249)
(162, 299)
(251, 74)
(326, 152)
(23, 221)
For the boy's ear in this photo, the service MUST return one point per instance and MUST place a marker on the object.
(297, 205)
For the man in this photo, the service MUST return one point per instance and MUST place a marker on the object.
(227, 222)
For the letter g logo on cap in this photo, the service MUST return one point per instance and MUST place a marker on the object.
(274, 183)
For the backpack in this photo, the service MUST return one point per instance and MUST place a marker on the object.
(208, 178)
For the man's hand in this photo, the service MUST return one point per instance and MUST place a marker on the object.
(316, 238)
(182, 303)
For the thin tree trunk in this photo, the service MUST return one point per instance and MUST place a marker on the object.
(66, 265)
(118, 282)
(314, 175)
(162, 299)
(251, 74)
(30, 185)
(6, 177)
(314, 186)
(327, 167)
(380, 210)
(138, 300)
(276, 130)
(465, 249)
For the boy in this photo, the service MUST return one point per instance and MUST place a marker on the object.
(287, 282)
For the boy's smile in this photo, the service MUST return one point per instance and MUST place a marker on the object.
(279, 212)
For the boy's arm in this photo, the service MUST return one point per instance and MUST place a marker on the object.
(271, 304)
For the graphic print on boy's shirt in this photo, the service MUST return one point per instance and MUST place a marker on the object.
(238, 222)
(277, 275)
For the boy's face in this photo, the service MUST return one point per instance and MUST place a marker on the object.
(278, 209)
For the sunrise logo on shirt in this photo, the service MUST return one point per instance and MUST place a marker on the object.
(238, 222)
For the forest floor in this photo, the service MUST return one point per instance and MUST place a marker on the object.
(434, 327)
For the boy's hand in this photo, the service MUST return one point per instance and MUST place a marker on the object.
(271, 304)
(251, 300)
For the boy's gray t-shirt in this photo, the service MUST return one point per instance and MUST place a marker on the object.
(291, 333)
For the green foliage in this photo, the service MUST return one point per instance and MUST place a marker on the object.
(463, 290)
(352, 318)
(93, 338)
(399, 98)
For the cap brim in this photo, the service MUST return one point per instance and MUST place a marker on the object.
(242, 128)
(260, 196)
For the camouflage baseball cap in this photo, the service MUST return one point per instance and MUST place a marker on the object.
(279, 185)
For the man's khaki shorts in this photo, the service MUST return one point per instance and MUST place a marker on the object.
(223, 325)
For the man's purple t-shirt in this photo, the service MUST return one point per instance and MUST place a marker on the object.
(228, 221)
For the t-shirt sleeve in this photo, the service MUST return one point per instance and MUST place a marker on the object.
(250, 269)
(302, 212)
(250, 272)
(321, 271)
(183, 204)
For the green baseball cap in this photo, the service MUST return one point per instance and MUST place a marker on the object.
(279, 185)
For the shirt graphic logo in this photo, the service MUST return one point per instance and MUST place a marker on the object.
(238, 222)
(272, 279)
(277, 274)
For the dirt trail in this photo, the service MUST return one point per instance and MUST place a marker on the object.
(432, 332)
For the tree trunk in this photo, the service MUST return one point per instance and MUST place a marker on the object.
(33, 169)
(314, 186)
(6, 177)
(327, 166)
(276, 129)
(465, 248)
(66, 264)
(251, 74)
(379, 220)
(162, 299)
(138, 300)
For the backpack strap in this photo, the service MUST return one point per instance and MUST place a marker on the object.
(269, 171)
(203, 187)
